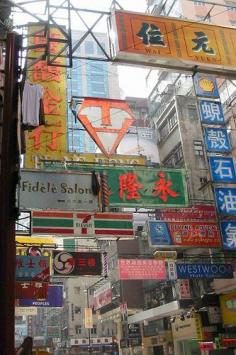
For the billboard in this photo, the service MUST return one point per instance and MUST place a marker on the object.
(49, 139)
(202, 271)
(141, 269)
(192, 213)
(47, 190)
(76, 263)
(84, 224)
(197, 234)
(102, 296)
(171, 43)
(54, 298)
(32, 290)
(32, 268)
(138, 187)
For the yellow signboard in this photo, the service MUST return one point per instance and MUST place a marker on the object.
(170, 42)
(48, 139)
(228, 308)
(88, 318)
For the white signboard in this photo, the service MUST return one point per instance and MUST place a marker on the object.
(57, 190)
(26, 311)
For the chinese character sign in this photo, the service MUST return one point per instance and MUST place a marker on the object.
(142, 37)
(226, 200)
(211, 112)
(138, 269)
(222, 169)
(228, 231)
(32, 268)
(217, 140)
(146, 187)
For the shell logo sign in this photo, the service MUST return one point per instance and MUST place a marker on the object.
(106, 121)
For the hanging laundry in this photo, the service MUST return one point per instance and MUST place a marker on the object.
(32, 104)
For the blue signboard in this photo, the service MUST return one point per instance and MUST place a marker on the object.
(225, 198)
(159, 234)
(205, 86)
(54, 299)
(211, 112)
(202, 271)
(222, 169)
(228, 232)
(217, 140)
(32, 268)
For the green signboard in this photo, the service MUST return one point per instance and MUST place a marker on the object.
(146, 187)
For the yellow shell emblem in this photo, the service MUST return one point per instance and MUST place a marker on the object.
(206, 85)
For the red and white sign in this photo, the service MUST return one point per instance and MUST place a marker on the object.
(194, 213)
(198, 234)
(102, 296)
(206, 345)
(106, 121)
(31, 290)
(142, 269)
(184, 289)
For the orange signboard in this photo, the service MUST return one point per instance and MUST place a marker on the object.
(172, 42)
(49, 139)
(107, 121)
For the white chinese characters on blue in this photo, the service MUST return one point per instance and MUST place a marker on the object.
(211, 112)
(228, 232)
(217, 140)
(222, 169)
(225, 198)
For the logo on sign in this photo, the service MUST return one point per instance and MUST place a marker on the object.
(106, 121)
(64, 263)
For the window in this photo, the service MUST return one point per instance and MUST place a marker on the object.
(198, 148)
(192, 112)
(168, 125)
(99, 50)
(94, 330)
(77, 309)
(77, 290)
(89, 47)
(78, 329)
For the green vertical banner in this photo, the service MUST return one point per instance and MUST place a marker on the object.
(147, 187)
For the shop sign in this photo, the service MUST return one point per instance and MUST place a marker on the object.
(202, 234)
(211, 112)
(141, 269)
(34, 290)
(25, 311)
(206, 345)
(54, 298)
(84, 224)
(228, 232)
(53, 190)
(76, 263)
(32, 268)
(202, 271)
(217, 140)
(102, 296)
(228, 308)
(49, 139)
(88, 318)
(225, 198)
(106, 121)
(206, 86)
(185, 328)
(222, 169)
(193, 213)
(175, 42)
(134, 187)
(124, 312)
(184, 289)
(134, 330)
(165, 255)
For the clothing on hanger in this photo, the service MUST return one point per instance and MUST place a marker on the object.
(32, 104)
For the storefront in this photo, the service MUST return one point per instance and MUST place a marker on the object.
(186, 335)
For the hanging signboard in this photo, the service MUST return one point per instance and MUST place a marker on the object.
(102, 296)
(171, 43)
(211, 112)
(84, 224)
(225, 198)
(32, 290)
(198, 234)
(206, 86)
(88, 318)
(222, 169)
(32, 268)
(77, 263)
(202, 271)
(228, 232)
(141, 269)
(217, 140)
(54, 298)
(54, 190)
(134, 187)
(193, 213)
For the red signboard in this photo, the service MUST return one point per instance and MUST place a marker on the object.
(142, 269)
(197, 212)
(32, 290)
(206, 345)
(198, 234)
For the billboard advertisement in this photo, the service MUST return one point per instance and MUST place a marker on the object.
(32, 268)
(84, 224)
(77, 263)
(102, 296)
(54, 298)
(203, 271)
(47, 190)
(171, 42)
(141, 269)
(192, 213)
(197, 234)
(34, 290)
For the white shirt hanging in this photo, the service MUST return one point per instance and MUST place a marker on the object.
(32, 94)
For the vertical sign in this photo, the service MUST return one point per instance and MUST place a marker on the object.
(88, 318)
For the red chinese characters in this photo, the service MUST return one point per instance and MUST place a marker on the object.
(129, 186)
(162, 188)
